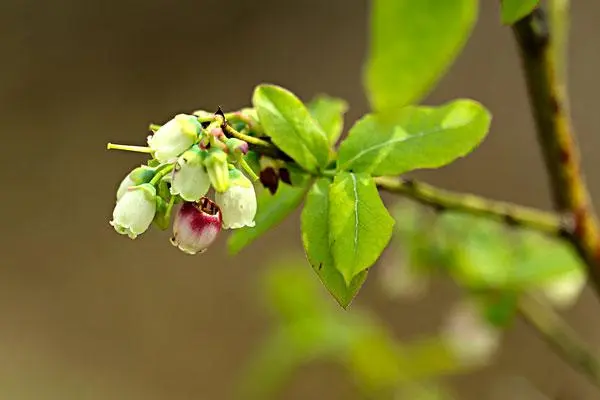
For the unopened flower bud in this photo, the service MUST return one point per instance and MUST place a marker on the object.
(174, 137)
(135, 210)
(218, 169)
(217, 132)
(238, 202)
(196, 226)
(236, 146)
(190, 179)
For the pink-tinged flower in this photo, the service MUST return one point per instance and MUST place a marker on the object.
(236, 146)
(196, 226)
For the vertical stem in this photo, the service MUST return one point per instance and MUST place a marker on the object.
(540, 56)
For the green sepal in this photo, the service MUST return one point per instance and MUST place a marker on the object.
(237, 178)
(153, 162)
(195, 155)
(164, 205)
(160, 218)
(142, 174)
(162, 189)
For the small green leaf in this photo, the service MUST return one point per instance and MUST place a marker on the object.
(271, 210)
(543, 259)
(329, 113)
(514, 10)
(417, 137)
(412, 44)
(360, 227)
(289, 124)
(315, 238)
(486, 254)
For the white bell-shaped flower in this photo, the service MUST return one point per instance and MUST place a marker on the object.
(190, 179)
(135, 210)
(238, 202)
(174, 137)
(196, 226)
(141, 174)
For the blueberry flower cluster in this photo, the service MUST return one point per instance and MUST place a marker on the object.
(190, 155)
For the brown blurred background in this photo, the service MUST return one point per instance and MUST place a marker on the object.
(87, 314)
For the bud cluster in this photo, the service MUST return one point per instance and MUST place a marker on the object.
(190, 155)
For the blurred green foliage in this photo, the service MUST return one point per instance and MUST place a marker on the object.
(309, 327)
(412, 44)
(492, 261)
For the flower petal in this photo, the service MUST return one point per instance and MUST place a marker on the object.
(190, 179)
(174, 137)
(135, 210)
(238, 203)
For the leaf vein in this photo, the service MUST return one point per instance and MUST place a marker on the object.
(398, 140)
(356, 222)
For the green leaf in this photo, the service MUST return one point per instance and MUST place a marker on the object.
(329, 113)
(487, 254)
(514, 10)
(289, 124)
(417, 137)
(315, 238)
(483, 255)
(543, 259)
(412, 44)
(360, 227)
(271, 210)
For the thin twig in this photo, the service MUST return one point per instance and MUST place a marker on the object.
(258, 145)
(548, 100)
(445, 200)
(554, 330)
